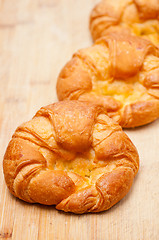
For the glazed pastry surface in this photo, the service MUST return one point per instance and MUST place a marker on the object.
(119, 72)
(72, 155)
(138, 17)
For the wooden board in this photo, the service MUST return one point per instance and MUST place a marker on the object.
(36, 39)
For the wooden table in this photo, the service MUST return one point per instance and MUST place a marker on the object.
(36, 39)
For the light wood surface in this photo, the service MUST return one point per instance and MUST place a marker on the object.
(37, 37)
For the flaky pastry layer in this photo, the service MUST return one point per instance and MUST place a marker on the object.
(138, 17)
(119, 72)
(72, 155)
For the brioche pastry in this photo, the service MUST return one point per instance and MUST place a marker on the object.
(119, 72)
(72, 155)
(139, 17)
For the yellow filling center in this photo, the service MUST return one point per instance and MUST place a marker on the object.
(126, 91)
(148, 30)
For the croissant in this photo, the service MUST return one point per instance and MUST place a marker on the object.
(139, 17)
(72, 155)
(120, 73)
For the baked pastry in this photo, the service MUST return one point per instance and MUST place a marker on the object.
(119, 72)
(140, 17)
(73, 155)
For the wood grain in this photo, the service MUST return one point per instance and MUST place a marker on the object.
(36, 39)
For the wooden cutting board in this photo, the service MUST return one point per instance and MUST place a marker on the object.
(36, 39)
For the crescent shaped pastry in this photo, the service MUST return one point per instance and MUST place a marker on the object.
(139, 17)
(119, 72)
(72, 155)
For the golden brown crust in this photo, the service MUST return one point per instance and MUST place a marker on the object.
(71, 154)
(139, 17)
(82, 84)
(122, 73)
(141, 113)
